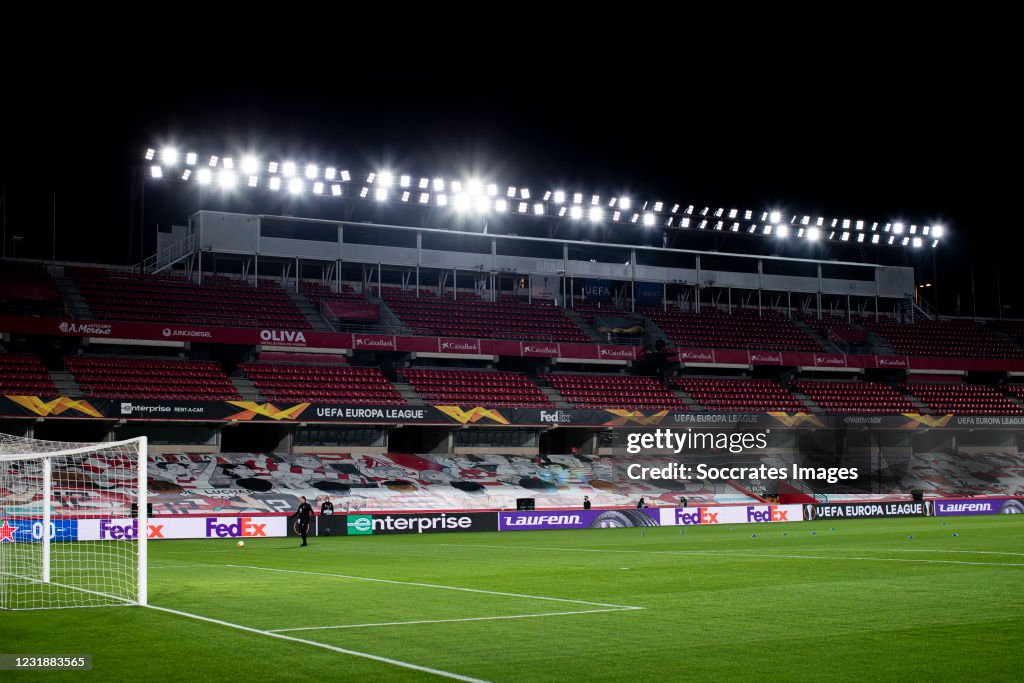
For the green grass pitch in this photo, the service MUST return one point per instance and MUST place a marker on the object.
(862, 602)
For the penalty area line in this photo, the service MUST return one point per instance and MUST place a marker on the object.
(448, 621)
(431, 585)
(325, 646)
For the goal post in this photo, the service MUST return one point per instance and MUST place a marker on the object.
(73, 523)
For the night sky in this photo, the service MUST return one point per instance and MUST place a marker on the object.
(917, 146)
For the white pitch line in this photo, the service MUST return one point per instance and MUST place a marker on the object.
(431, 585)
(727, 553)
(332, 648)
(447, 621)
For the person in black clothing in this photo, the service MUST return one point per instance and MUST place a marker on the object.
(327, 508)
(640, 503)
(586, 502)
(302, 516)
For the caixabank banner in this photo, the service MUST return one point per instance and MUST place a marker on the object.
(868, 510)
(975, 506)
(414, 523)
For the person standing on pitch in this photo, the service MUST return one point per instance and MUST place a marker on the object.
(301, 517)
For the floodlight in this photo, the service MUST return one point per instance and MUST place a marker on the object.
(577, 198)
(775, 216)
(937, 231)
(370, 178)
(875, 238)
(800, 232)
(874, 227)
(704, 211)
(405, 196)
(330, 173)
(634, 218)
(363, 191)
(311, 171)
(860, 237)
(275, 183)
(186, 173)
(492, 190)
(456, 186)
(718, 212)
(747, 215)
(813, 233)
(438, 184)
(204, 176)
(424, 197)
(500, 205)
(905, 242)
(703, 224)
(846, 224)
(658, 207)
(821, 222)
(735, 227)
(191, 158)
(897, 228)
(169, 156)
(250, 165)
(229, 163)
(442, 199)
(156, 172)
(675, 208)
(318, 187)
(935, 243)
(461, 202)
(648, 219)
(253, 181)
(213, 161)
(473, 187)
(926, 230)
(835, 222)
(335, 190)
(612, 202)
(719, 225)
(685, 222)
(272, 167)
(523, 207)
(150, 153)
(381, 195)
(345, 177)
(860, 225)
(404, 181)
(595, 200)
(732, 214)
(296, 186)
(547, 195)
(782, 230)
(845, 237)
(561, 211)
(424, 183)
(524, 193)
(616, 216)
(385, 179)
(288, 169)
(768, 228)
(559, 197)
(538, 209)
(596, 214)
(511, 193)
(916, 243)
(913, 229)
(625, 203)
(752, 229)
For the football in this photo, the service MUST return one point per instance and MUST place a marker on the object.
(241, 544)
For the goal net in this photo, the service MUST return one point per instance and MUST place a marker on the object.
(72, 523)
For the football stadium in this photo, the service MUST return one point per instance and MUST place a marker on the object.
(326, 417)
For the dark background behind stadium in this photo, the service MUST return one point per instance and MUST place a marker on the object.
(919, 140)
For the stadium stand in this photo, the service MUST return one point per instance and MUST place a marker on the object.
(145, 378)
(468, 316)
(119, 295)
(613, 391)
(952, 338)
(24, 374)
(28, 288)
(856, 397)
(963, 399)
(740, 395)
(486, 388)
(335, 384)
(717, 330)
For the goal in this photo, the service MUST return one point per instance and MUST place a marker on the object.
(73, 523)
